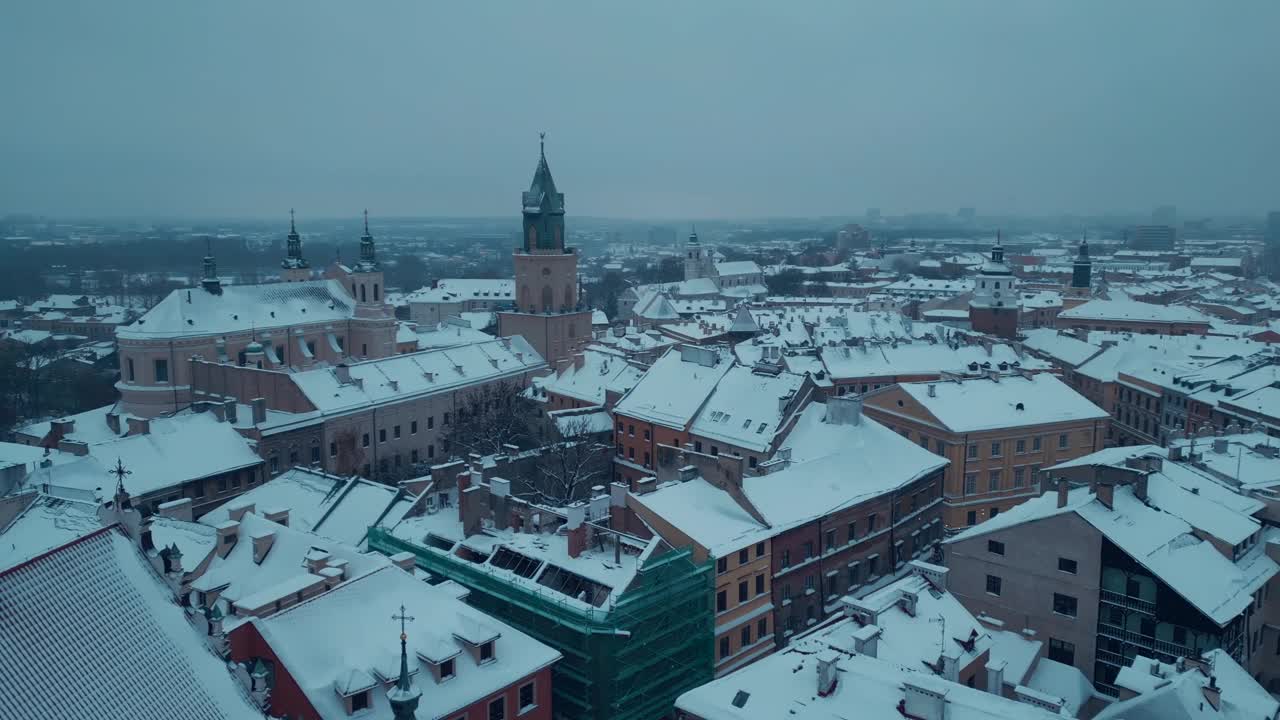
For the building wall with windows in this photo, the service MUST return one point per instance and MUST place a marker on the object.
(1023, 577)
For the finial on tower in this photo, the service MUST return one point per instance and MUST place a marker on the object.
(404, 696)
(292, 228)
(542, 144)
(121, 497)
(366, 221)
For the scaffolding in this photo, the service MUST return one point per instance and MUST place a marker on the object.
(627, 661)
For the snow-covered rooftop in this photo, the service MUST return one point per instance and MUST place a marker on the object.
(91, 632)
(747, 408)
(242, 308)
(676, 386)
(1135, 311)
(977, 404)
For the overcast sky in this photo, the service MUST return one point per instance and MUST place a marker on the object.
(653, 109)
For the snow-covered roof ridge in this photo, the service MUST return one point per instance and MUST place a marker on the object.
(976, 404)
(194, 312)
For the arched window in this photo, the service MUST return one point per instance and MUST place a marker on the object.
(375, 292)
(526, 299)
(546, 298)
(362, 295)
(568, 297)
(533, 237)
(353, 290)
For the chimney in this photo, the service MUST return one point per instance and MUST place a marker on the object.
(828, 672)
(844, 410)
(1105, 492)
(932, 389)
(262, 545)
(935, 574)
(923, 703)
(1175, 452)
(866, 640)
(279, 516)
(995, 677)
(227, 532)
(1220, 445)
(176, 509)
(237, 512)
(229, 410)
(599, 503)
(1140, 486)
(950, 666)
(562, 365)
(138, 426)
(74, 447)
(405, 561)
(259, 406)
(343, 373)
(577, 529)
(579, 359)
(688, 472)
(618, 494)
(644, 486)
(499, 494)
(1213, 693)
(1063, 489)
(471, 505)
(59, 429)
(219, 410)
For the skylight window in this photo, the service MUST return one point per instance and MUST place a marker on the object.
(760, 429)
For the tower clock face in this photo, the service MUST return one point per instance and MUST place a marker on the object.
(997, 293)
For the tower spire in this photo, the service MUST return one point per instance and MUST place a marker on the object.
(209, 281)
(292, 229)
(404, 696)
(368, 259)
(293, 259)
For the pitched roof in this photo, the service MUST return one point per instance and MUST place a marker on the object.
(241, 308)
(978, 404)
(91, 632)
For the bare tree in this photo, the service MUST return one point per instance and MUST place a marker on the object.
(491, 417)
(566, 470)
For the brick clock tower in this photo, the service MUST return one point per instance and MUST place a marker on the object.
(547, 312)
(996, 304)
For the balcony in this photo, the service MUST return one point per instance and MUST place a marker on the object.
(1126, 601)
(1111, 658)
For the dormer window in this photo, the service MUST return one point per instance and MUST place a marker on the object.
(359, 701)
(447, 669)
(486, 652)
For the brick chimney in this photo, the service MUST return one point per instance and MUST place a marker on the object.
(471, 503)
(176, 509)
(259, 406)
(229, 409)
(113, 422)
(577, 528)
(844, 410)
(828, 674)
(1063, 489)
(238, 511)
(1105, 492)
(866, 640)
(405, 561)
(138, 426)
(279, 516)
(59, 429)
(227, 533)
(995, 677)
(499, 498)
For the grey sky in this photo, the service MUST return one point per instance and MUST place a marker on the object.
(653, 109)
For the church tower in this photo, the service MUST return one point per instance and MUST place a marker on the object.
(995, 306)
(373, 329)
(697, 259)
(547, 313)
(294, 267)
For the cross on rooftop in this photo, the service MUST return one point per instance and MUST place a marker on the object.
(119, 472)
(403, 618)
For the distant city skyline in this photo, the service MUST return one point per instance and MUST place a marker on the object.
(711, 110)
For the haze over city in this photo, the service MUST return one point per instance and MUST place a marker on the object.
(655, 110)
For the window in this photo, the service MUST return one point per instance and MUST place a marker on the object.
(646, 433)
(995, 547)
(446, 669)
(431, 421)
(993, 585)
(444, 419)
(993, 480)
(527, 697)
(972, 452)
(486, 652)
(724, 647)
(760, 584)
(360, 701)
(808, 549)
(743, 556)
(364, 440)
(970, 483)
(1035, 444)
(498, 709)
(413, 427)
(1019, 477)
(871, 523)
(972, 518)
(1064, 604)
(744, 591)
(413, 455)
(1066, 565)
(1062, 441)
(275, 468)
(853, 530)
(808, 584)
(759, 549)
(1062, 651)
(786, 558)
(722, 564)
(762, 628)
(996, 448)
(162, 370)
(722, 601)
(786, 592)
(631, 430)
(131, 370)
(752, 461)
(333, 449)
(831, 540)
(315, 453)
(382, 435)
(939, 447)
(745, 636)
(1020, 446)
